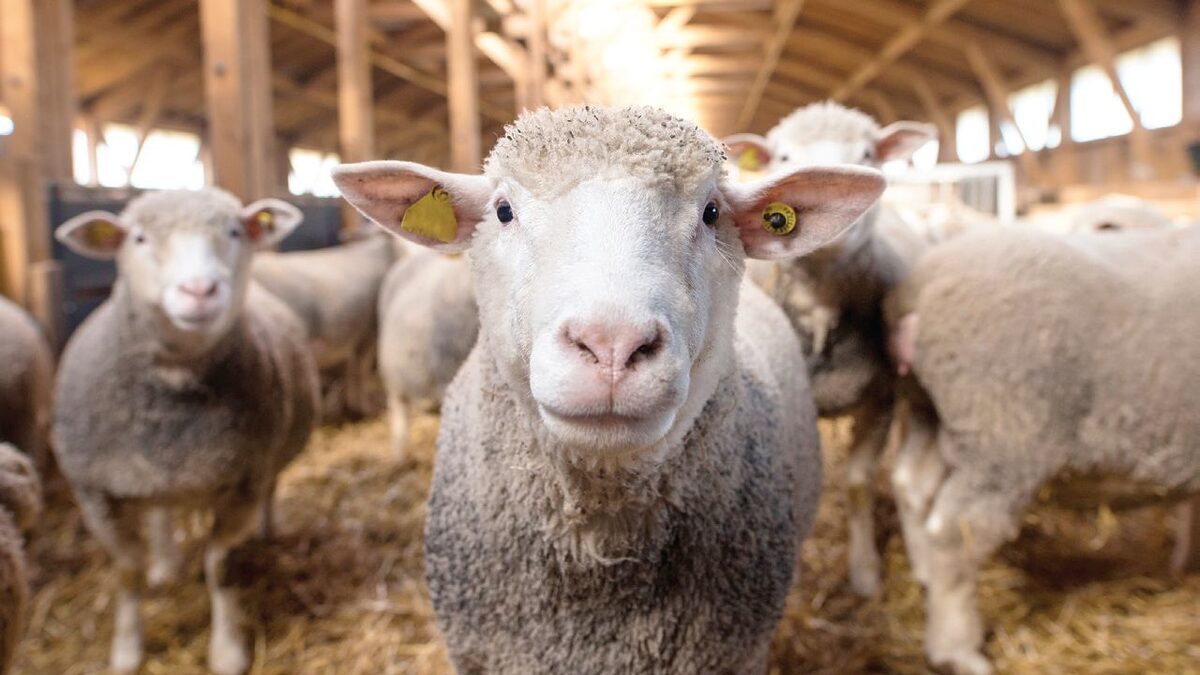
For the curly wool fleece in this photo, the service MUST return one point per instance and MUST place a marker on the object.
(542, 150)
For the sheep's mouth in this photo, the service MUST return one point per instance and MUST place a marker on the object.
(608, 431)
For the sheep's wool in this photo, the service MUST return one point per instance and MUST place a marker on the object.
(826, 121)
(171, 209)
(549, 151)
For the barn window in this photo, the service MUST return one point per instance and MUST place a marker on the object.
(973, 133)
(1032, 107)
(81, 166)
(1152, 76)
(311, 173)
(169, 160)
(6, 123)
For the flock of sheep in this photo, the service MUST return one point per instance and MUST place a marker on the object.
(628, 460)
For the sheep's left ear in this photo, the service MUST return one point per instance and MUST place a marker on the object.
(791, 214)
(750, 152)
(95, 234)
(899, 140)
(269, 221)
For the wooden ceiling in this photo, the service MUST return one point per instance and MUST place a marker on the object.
(744, 63)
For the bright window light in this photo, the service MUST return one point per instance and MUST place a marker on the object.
(1032, 107)
(1010, 141)
(80, 166)
(312, 173)
(115, 155)
(1096, 111)
(6, 125)
(170, 161)
(1153, 76)
(972, 134)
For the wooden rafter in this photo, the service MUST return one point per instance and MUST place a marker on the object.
(356, 126)
(937, 113)
(783, 20)
(998, 94)
(465, 132)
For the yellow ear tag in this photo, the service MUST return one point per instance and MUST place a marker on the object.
(102, 234)
(432, 216)
(748, 160)
(779, 219)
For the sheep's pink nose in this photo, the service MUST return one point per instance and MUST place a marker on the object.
(199, 288)
(615, 346)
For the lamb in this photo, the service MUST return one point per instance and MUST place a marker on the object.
(334, 291)
(20, 504)
(26, 382)
(190, 387)
(628, 460)
(428, 322)
(1047, 366)
(834, 297)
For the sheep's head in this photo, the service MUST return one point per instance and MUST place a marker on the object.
(607, 250)
(829, 134)
(183, 256)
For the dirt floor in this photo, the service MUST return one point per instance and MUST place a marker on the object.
(341, 589)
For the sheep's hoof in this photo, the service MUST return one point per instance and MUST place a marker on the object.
(126, 655)
(227, 654)
(966, 662)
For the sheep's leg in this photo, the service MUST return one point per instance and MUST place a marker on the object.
(165, 556)
(869, 435)
(1186, 556)
(965, 527)
(116, 528)
(266, 512)
(916, 476)
(398, 417)
(228, 653)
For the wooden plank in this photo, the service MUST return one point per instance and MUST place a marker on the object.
(897, 47)
(948, 142)
(1190, 37)
(784, 19)
(886, 113)
(535, 89)
(997, 94)
(237, 79)
(356, 126)
(465, 128)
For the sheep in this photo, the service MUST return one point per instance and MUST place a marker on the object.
(1047, 366)
(26, 382)
(190, 387)
(628, 459)
(334, 291)
(1113, 212)
(427, 326)
(20, 504)
(834, 297)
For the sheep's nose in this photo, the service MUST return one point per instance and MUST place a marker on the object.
(615, 346)
(201, 288)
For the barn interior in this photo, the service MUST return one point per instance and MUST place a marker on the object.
(1038, 106)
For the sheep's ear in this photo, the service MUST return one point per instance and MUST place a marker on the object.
(270, 221)
(419, 203)
(750, 152)
(95, 234)
(899, 140)
(791, 214)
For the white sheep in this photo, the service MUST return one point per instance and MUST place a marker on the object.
(628, 460)
(427, 326)
(26, 382)
(20, 504)
(334, 292)
(834, 297)
(1113, 212)
(189, 387)
(1048, 366)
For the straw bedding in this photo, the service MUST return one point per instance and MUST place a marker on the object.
(340, 590)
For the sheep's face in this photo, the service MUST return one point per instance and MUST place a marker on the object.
(609, 304)
(183, 257)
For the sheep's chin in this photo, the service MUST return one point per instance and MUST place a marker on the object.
(609, 436)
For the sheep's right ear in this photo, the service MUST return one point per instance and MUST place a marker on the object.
(750, 152)
(419, 203)
(95, 234)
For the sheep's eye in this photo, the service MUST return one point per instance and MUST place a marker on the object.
(235, 233)
(783, 158)
(711, 213)
(504, 211)
(139, 238)
(868, 155)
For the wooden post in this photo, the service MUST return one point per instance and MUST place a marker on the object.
(947, 133)
(465, 130)
(37, 84)
(536, 88)
(1190, 37)
(356, 129)
(237, 84)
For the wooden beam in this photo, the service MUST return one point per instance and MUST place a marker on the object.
(784, 19)
(237, 83)
(948, 143)
(392, 14)
(152, 108)
(356, 125)
(535, 89)
(1190, 43)
(465, 128)
(886, 113)
(898, 46)
(997, 94)
(1089, 28)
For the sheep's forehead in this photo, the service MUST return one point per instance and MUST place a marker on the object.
(548, 152)
(178, 210)
(824, 122)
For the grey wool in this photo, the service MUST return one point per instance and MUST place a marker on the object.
(683, 569)
(20, 504)
(1050, 366)
(26, 381)
(428, 322)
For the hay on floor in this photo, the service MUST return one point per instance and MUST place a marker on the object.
(341, 589)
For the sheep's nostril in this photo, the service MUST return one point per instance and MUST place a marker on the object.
(647, 350)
